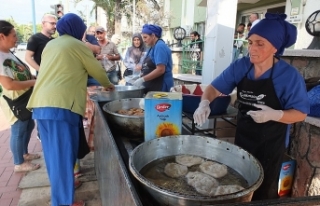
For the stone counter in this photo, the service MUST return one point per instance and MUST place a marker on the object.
(306, 61)
(306, 137)
(306, 150)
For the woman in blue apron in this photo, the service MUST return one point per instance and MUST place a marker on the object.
(271, 95)
(157, 66)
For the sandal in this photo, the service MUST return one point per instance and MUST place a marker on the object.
(77, 184)
(29, 157)
(26, 167)
(79, 203)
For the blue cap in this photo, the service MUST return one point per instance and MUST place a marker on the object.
(152, 29)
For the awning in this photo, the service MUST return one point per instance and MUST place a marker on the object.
(203, 3)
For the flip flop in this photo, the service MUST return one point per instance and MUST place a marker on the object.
(29, 157)
(26, 167)
(79, 203)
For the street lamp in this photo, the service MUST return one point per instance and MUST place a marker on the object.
(179, 34)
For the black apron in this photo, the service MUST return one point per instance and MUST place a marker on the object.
(265, 141)
(147, 67)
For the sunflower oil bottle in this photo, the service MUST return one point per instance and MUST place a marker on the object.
(162, 114)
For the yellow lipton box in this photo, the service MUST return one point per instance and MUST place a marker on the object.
(162, 114)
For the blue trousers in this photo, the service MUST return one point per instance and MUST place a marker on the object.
(60, 142)
(92, 82)
(19, 140)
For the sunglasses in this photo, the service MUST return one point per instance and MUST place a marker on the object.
(99, 32)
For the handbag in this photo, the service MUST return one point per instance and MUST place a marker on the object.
(19, 105)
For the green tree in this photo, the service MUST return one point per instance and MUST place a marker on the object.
(24, 31)
(113, 10)
(15, 24)
(147, 11)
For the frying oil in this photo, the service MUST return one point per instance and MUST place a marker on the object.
(162, 116)
(154, 172)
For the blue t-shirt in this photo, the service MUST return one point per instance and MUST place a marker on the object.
(161, 54)
(92, 39)
(288, 83)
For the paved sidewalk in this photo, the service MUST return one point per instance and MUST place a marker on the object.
(9, 181)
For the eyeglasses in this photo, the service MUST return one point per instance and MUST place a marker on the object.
(52, 23)
(99, 32)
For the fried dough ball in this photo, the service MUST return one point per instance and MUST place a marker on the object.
(131, 112)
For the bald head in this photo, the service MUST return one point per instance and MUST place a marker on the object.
(253, 17)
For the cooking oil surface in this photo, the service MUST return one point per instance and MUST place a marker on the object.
(154, 172)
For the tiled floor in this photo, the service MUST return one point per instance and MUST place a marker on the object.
(9, 181)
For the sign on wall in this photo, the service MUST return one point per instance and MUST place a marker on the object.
(295, 12)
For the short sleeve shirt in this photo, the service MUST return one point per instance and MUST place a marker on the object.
(92, 40)
(11, 67)
(36, 43)
(111, 49)
(288, 83)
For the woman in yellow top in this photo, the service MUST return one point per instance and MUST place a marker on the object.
(15, 79)
(59, 100)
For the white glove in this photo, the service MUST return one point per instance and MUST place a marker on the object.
(138, 82)
(265, 114)
(141, 103)
(202, 112)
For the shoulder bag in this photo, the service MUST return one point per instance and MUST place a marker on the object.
(18, 105)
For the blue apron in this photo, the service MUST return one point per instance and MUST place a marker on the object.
(161, 83)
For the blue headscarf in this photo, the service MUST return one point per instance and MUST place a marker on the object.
(280, 33)
(72, 25)
(152, 29)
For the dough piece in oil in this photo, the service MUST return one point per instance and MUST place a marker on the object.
(214, 169)
(203, 183)
(228, 189)
(188, 160)
(175, 170)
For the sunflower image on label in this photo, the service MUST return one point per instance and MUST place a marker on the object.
(167, 129)
(160, 95)
(286, 177)
(162, 114)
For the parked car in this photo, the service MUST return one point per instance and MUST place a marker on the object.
(22, 46)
